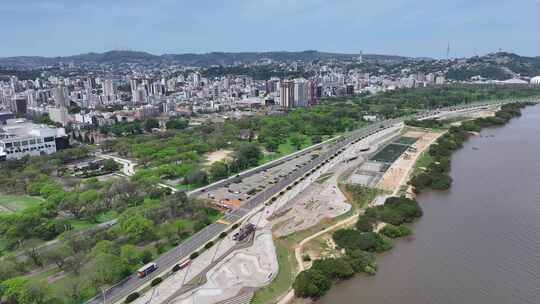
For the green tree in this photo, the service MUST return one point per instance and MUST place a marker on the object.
(32, 251)
(151, 123)
(58, 255)
(297, 141)
(137, 228)
(360, 260)
(311, 283)
(22, 290)
(105, 268)
(219, 170)
(110, 165)
(177, 124)
(334, 268)
(130, 255)
(247, 155)
(103, 246)
(364, 224)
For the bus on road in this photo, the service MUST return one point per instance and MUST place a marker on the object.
(146, 269)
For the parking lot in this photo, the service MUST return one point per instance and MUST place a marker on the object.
(235, 194)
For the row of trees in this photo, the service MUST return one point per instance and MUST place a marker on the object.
(398, 102)
(317, 280)
(437, 174)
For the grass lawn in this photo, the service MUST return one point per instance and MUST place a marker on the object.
(285, 277)
(16, 203)
(101, 218)
(284, 149)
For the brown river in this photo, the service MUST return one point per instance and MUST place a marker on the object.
(476, 243)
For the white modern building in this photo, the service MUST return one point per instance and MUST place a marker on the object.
(535, 80)
(287, 94)
(19, 138)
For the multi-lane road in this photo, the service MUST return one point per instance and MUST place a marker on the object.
(198, 240)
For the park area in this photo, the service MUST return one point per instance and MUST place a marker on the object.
(16, 203)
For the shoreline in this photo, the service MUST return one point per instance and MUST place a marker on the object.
(290, 297)
(406, 180)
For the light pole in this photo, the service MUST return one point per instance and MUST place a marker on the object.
(103, 294)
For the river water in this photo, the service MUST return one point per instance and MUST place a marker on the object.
(478, 242)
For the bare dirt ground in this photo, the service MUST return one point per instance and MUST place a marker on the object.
(323, 199)
(399, 171)
(219, 155)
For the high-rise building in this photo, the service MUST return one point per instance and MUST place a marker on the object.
(140, 95)
(19, 105)
(300, 92)
(440, 80)
(60, 96)
(272, 85)
(312, 93)
(108, 89)
(92, 81)
(196, 79)
(287, 94)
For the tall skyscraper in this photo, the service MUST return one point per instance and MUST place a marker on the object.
(196, 79)
(300, 92)
(140, 95)
(312, 93)
(287, 94)
(60, 96)
(108, 89)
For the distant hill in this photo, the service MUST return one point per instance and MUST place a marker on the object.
(214, 58)
(499, 66)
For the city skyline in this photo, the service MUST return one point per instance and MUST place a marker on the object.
(415, 29)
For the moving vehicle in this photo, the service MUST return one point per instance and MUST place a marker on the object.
(184, 264)
(146, 269)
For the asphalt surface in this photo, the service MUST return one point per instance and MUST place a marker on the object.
(202, 237)
(182, 251)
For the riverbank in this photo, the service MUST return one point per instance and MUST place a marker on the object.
(478, 242)
(436, 174)
(315, 283)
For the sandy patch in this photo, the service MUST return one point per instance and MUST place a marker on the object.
(219, 155)
(399, 171)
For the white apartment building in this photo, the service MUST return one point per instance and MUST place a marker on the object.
(19, 138)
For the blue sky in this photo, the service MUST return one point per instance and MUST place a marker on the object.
(401, 27)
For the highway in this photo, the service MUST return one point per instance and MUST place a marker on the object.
(198, 240)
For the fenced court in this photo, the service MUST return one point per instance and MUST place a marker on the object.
(404, 140)
(393, 151)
